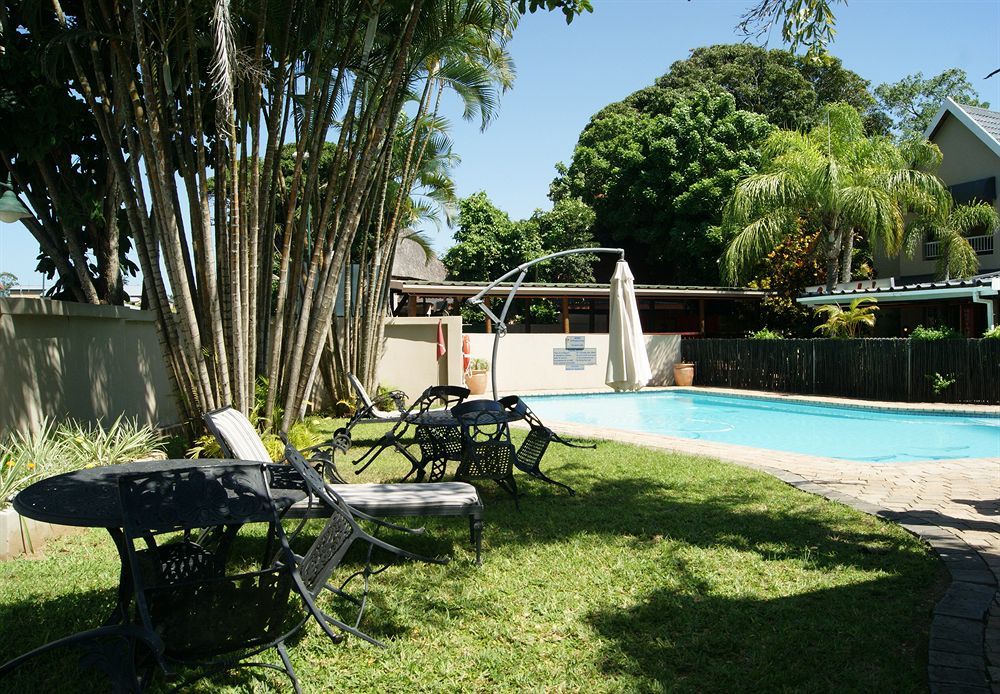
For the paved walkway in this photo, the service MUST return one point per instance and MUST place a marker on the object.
(953, 505)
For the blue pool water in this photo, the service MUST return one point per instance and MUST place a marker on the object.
(831, 431)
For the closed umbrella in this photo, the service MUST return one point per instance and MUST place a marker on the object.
(628, 363)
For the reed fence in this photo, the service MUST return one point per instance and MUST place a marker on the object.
(965, 371)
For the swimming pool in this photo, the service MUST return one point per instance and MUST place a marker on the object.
(831, 431)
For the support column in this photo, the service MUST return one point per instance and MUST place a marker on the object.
(489, 321)
(411, 305)
(701, 317)
(565, 314)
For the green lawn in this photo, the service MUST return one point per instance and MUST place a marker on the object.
(665, 572)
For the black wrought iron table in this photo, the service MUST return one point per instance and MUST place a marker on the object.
(438, 433)
(88, 498)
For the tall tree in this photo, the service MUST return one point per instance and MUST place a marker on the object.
(910, 104)
(50, 148)
(839, 180)
(789, 90)
(657, 169)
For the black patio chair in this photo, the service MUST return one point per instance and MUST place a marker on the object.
(529, 454)
(487, 450)
(211, 611)
(336, 538)
(110, 650)
(387, 407)
(434, 399)
(239, 439)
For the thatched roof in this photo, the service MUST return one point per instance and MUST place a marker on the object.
(412, 263)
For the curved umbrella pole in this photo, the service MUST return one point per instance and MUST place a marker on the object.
(521, 271)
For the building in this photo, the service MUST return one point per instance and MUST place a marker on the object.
(583, 308)
(969, 138)
(910, 294)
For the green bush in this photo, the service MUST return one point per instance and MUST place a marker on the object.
(71, 446)
(766, 334)
(993, 334)
(939, 333)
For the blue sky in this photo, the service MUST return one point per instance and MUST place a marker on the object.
(567, 73)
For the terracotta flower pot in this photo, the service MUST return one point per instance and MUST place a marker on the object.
(475, 381)
(683, 374)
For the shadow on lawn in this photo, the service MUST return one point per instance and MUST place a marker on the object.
(825, 640)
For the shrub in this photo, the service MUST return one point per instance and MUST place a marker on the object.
(993, 334)
(51, 450)
(91, 445)
(477, 364)
(930, 334)
(766, 334)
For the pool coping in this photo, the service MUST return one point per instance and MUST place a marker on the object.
(964, 643)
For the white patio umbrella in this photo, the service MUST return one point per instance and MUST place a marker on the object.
(628, 363)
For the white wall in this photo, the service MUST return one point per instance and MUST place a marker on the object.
(409, 354)
(61, 360)
(526, 361)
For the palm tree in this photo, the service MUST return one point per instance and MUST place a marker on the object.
(842, 322)
(837, 179)
(949, 227)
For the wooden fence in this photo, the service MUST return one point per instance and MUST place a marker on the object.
(873, 369)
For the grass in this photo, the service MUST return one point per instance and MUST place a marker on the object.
(664, 573)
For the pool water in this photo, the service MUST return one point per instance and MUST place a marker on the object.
(831, 431)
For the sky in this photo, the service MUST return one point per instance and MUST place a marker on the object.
(566, 73)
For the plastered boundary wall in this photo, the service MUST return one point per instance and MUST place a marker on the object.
(62, 360)
(526, 361)
(409, 354)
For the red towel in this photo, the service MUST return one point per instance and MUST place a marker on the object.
(441, 349)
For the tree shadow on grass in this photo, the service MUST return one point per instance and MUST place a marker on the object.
(822, 640)
(777, 527)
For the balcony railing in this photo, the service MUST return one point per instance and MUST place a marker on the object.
(982, 245)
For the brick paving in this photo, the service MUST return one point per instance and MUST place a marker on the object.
(953, 505)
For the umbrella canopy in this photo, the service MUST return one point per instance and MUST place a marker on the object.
(628, 363)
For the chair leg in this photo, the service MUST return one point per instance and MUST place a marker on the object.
(476, 532)
(289, 670)
(509, 485)
(545, 478)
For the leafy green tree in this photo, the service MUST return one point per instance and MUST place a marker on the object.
(843, 323)
(569, 224)
(49, 146)
(910, 104)
(487, 242)
(790, 267)
(657, 169)
(803, 23)
(838, 179)
(789, 90)
(949, 226)
(7, 282)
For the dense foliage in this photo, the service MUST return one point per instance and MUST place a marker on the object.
(909, 104)
(845, 183)
(488, 244)
(657, 169)
(789, 90)
(792, 265)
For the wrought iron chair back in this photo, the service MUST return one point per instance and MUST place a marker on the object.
(487, 450)
(341, 531)
(529, 454)
(239, 439)
(207, 612)
(435, 447)
(388, 407)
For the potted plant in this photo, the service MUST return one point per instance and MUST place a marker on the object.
(475, 377)
(683, 373)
